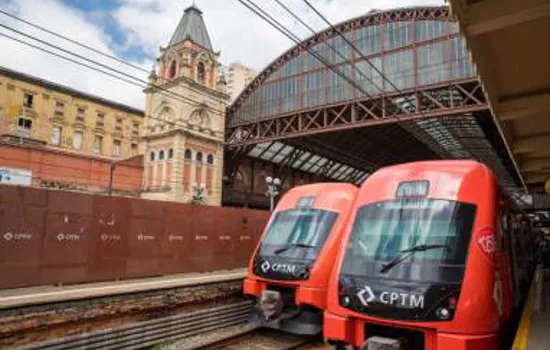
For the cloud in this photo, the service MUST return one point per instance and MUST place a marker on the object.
(238, 33)
(147, 24)
(73, 23)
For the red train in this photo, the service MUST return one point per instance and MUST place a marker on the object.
(290, 269)
(431, 258)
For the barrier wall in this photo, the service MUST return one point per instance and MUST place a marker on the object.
(51, 237)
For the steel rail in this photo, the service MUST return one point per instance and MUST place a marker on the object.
(256, 335)
(148, 333)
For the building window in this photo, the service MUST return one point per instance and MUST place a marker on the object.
(152, 156)
(98, 145)
(134, 149)
(161, 155)
(25, 126)
(118, 124)
(80, 112)
(170, 153)
(188, 154)
(27, 100)
(135, 129)
(201, 73)
(116, 148)
(100, 120)
(77, 140)
(210, 159)
(199, 157)
(59, 109)
(56, 135)
(172, 72)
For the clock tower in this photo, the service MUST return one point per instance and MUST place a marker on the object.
(185, 118)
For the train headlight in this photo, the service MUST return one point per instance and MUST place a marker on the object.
(443, 313)
(346, 300)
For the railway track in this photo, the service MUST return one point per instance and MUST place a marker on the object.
(261, 339)
(148, 333)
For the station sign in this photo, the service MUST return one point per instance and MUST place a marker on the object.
(13, 176)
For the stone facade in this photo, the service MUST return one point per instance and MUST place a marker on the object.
(185, 119)
(38, 112)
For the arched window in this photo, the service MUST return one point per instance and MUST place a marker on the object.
(161, 155)
(152, 156)
(199, 157)
(188, 154)
(210, 159)
(201, 73)
(172, 72)
(170, 153)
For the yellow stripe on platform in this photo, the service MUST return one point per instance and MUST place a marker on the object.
(522, 335)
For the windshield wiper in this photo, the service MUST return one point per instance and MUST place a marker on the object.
(410, 252)
(294, 245)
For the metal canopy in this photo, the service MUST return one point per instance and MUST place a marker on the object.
(440, 110)
(276, 152)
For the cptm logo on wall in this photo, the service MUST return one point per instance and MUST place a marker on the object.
(17, 236)
(68, 237)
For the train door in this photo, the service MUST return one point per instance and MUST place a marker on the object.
(503, 292)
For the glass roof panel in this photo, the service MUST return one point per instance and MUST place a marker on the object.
(346, 173)
(282, 154)
(310, 162)
(258, 149)
(301, 159)
(272, 150)
(319, 164)
(362, 178)
(340, 171)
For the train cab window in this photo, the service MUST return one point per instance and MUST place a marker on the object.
(299, 233)
(419, 230)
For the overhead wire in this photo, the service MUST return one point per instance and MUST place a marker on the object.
(312, 7)
(285, 31)
(266, 17)
(89, 67)
(11, 15)
(124, 76)
(144, 83)
(353, 63)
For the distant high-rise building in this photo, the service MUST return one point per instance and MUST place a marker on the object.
(237, 76)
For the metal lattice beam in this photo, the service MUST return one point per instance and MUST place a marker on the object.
(431, 101)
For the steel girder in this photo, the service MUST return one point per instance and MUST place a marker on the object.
(441, 100)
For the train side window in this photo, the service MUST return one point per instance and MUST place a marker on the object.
(502, 231)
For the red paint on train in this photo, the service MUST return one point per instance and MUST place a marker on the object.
(427, 259)
(290, 269)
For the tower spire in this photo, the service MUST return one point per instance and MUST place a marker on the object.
(192, 27)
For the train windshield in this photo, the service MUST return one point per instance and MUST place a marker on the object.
(408, 231)
(298, 233)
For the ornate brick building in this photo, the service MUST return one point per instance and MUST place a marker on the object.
(42, 113)
(185, 117)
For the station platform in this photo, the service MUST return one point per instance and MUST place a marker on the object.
(18, 297)
(533, 330)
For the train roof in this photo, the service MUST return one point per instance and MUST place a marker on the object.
(464, 180)
(330, 196)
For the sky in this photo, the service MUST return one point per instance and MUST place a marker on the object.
(133, 31)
